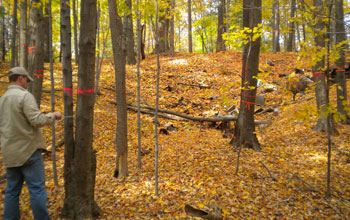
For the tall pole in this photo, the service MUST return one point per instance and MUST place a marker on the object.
(139, 40)
(52, 99)
(157, 104)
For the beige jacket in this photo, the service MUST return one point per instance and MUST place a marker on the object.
(20, 122)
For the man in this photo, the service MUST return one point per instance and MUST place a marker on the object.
(21, 142)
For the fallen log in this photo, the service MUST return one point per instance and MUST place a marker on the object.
(159, 114)
(194, 85)
(199, 119)
(191, 118)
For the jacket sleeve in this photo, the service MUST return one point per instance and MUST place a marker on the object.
(35, 117)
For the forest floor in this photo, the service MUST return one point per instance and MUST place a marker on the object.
(197, 165)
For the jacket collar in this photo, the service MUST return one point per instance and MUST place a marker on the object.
(16, 87)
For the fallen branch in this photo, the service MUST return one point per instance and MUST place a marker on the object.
(287, 103)
(128, 94)
(308, 185)
(199, 119)
(159, 114)
(336, 210)
(201, 214)
(193, 85)
(273, 178)
(286, 200)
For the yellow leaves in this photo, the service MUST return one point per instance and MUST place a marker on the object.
(197, 164)
(225, 211)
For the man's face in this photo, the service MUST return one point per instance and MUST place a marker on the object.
(24, 81)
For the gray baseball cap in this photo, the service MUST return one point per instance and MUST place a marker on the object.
(20, 71)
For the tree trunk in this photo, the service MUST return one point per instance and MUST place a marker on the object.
(244, 133)
(98, 52)
(130, 42)
(189, 13)
(342, 96)
(46, 34)
(227, 15)
(35, 49)
(319, 76)
(23, 49)
(303, 21)
(156, 110)
(164, 29)
(14, 35)
(53, 128)
(143, 33)
(116, 25)
(291, 31)
(276, 27)
(3, 35)
(99, 61)
(75, 19)
(69, 186)
(220, 44)
(139, 42)
(172, 29)
(84, 163)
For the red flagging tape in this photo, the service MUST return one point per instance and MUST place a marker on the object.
(38, 75)
(248, 104)
(317, 74)
(31, 49)
(70, 90)
(86, 91)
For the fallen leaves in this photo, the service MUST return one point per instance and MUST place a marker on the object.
(196, 164)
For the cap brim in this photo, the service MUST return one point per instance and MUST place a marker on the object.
(30, 79)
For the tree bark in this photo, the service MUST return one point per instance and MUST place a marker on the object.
(340, 38)
(69, 186)
(84, 163)
(99, 64)
(14, 35)
(143, 33)
(75, 19)
(23, 49)
(276, 27)
(319, 76)
(130, 42)
(46, 34)
(172, 29)
(189, 13)
(3, 42)
(35, 49)
(139, 42)
(291, 31)
(220, 44)
(244, 133)
(116, 25)
(164, 28)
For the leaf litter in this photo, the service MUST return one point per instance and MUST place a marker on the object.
(196, 164)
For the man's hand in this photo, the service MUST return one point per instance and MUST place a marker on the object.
(57, 115)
